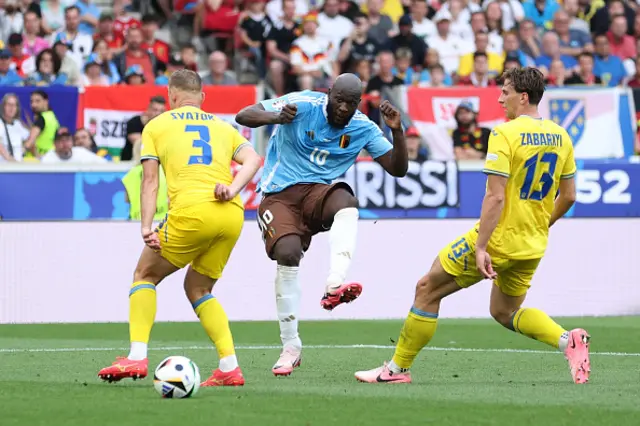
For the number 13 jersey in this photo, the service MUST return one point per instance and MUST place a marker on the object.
(195, 149)
(534, 154)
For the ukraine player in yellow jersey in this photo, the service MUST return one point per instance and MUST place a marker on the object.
(529, 161)
(203, 224)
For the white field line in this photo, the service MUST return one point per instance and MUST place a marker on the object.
(264, 347)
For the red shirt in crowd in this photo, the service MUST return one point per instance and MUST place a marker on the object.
(122, 23)
(144, 61)
(159, 49)
(113, 42)
(623, 49)
(17, 64)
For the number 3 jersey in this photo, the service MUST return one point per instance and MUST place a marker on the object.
(534, 154)
(195, 149)
(309, 150)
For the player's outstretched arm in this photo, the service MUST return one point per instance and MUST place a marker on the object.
(396, 161)
(565, 199)
(255, 115)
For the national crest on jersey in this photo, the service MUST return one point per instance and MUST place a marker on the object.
(309, 149)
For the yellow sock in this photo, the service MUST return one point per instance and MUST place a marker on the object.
(536, 324)
(215, 323)
(142, 310)
(416, 333)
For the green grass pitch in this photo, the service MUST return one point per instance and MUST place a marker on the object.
(475, 374)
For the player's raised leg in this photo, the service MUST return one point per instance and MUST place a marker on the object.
(340, 209)
(418, 329)
(150, 271)
(505, 308)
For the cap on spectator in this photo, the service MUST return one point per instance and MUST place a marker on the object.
(134, 70)
(512, 56)
(405, 21)
(442, 15)
(310, 17)
(5, 54)
(105, 17)
(62, 133)
(466, 104)
(94, 58)
(412, 131)
(15, 39)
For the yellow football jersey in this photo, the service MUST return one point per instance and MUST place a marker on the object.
(534, 154)
(195, 149)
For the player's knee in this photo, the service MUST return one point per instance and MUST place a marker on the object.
(501, 315)
(288, 252)
(424, 292)
(146, 274)
(337, 200)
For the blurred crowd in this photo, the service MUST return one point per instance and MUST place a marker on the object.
(304, 44)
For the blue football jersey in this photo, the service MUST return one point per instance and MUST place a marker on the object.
(309, 150)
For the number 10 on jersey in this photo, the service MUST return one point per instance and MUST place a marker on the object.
(319, 156)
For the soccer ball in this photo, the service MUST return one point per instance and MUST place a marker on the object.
(177, 377)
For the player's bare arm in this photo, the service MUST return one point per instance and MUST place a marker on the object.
(492, 206)
(255, 116)
(564, 201)
(148, 197)
(251, 162)
(396, 161)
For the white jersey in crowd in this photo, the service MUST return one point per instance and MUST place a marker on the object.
(17, 135)
(313, 54)
(334, 29)
(79, 155)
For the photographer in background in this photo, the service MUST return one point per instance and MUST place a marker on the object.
(157, 105)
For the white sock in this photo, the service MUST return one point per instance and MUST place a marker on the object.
(342, 242)
(228, 363)
(564, 341)
(393, 367)
(288, 301)
(138, 351)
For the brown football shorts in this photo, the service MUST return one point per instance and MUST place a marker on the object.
(296, 210)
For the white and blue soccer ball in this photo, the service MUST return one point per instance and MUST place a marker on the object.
(177, 377)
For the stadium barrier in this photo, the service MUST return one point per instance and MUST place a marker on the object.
(430, 190)
(82, 272)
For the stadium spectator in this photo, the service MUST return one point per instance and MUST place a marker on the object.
(540, 12)
(158, 48)
(572, 42)
(123, 20)
(313, 57)
(584, 75)
(157, 105)
(551, 51)
(449, 47)
(8, 76)
(409, 40)
(33, 43)
(30, 5)
(84, 139)
(403, 69)
(601, 20)
(479, 24)
(363, 71)
(134, 54)
(276, 9)
(470, 141)
(634, 82)
(69, 66)
(422, 26)
(218, 73)
(186, 11)
(175, 64)
(493, 15)
(254, 30)
(279, 44)
(464, 9)
(189, 55)
(512, 46)
(622, 44)
(512, 12)
(134, 76)
(511, 61)
(529, 41)
(64, 152)
(18, 57)
(557, 75)
(52, 15)
(104, 56)
(588, 8)
(81, 44)
(394, 9)
(481, 75)
(11, 21)
(436, 77)
(332, 25)
(481, 46)
(358, 46)
(572, 9)
(217, 17)
(609, 68)
(415, 149)
(13, 133)
(380, 25)
(106, 32)
(89, 16)
(431, 61)
(47, 71)
(460, 26)
(384, 79)
(43, 129)
(93, 75)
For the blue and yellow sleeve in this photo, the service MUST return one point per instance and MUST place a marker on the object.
(148, 148)
(569, 167)
(237, 142)
(498, 160)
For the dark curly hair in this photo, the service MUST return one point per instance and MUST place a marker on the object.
(57, 62)
(526, 80)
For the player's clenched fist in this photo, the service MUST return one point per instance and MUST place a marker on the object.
(287, 114)
(391, 115)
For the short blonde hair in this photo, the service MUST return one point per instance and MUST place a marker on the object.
(186, 81)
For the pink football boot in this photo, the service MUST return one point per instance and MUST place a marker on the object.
(577, 353)
(346, 293)
(383, 375)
